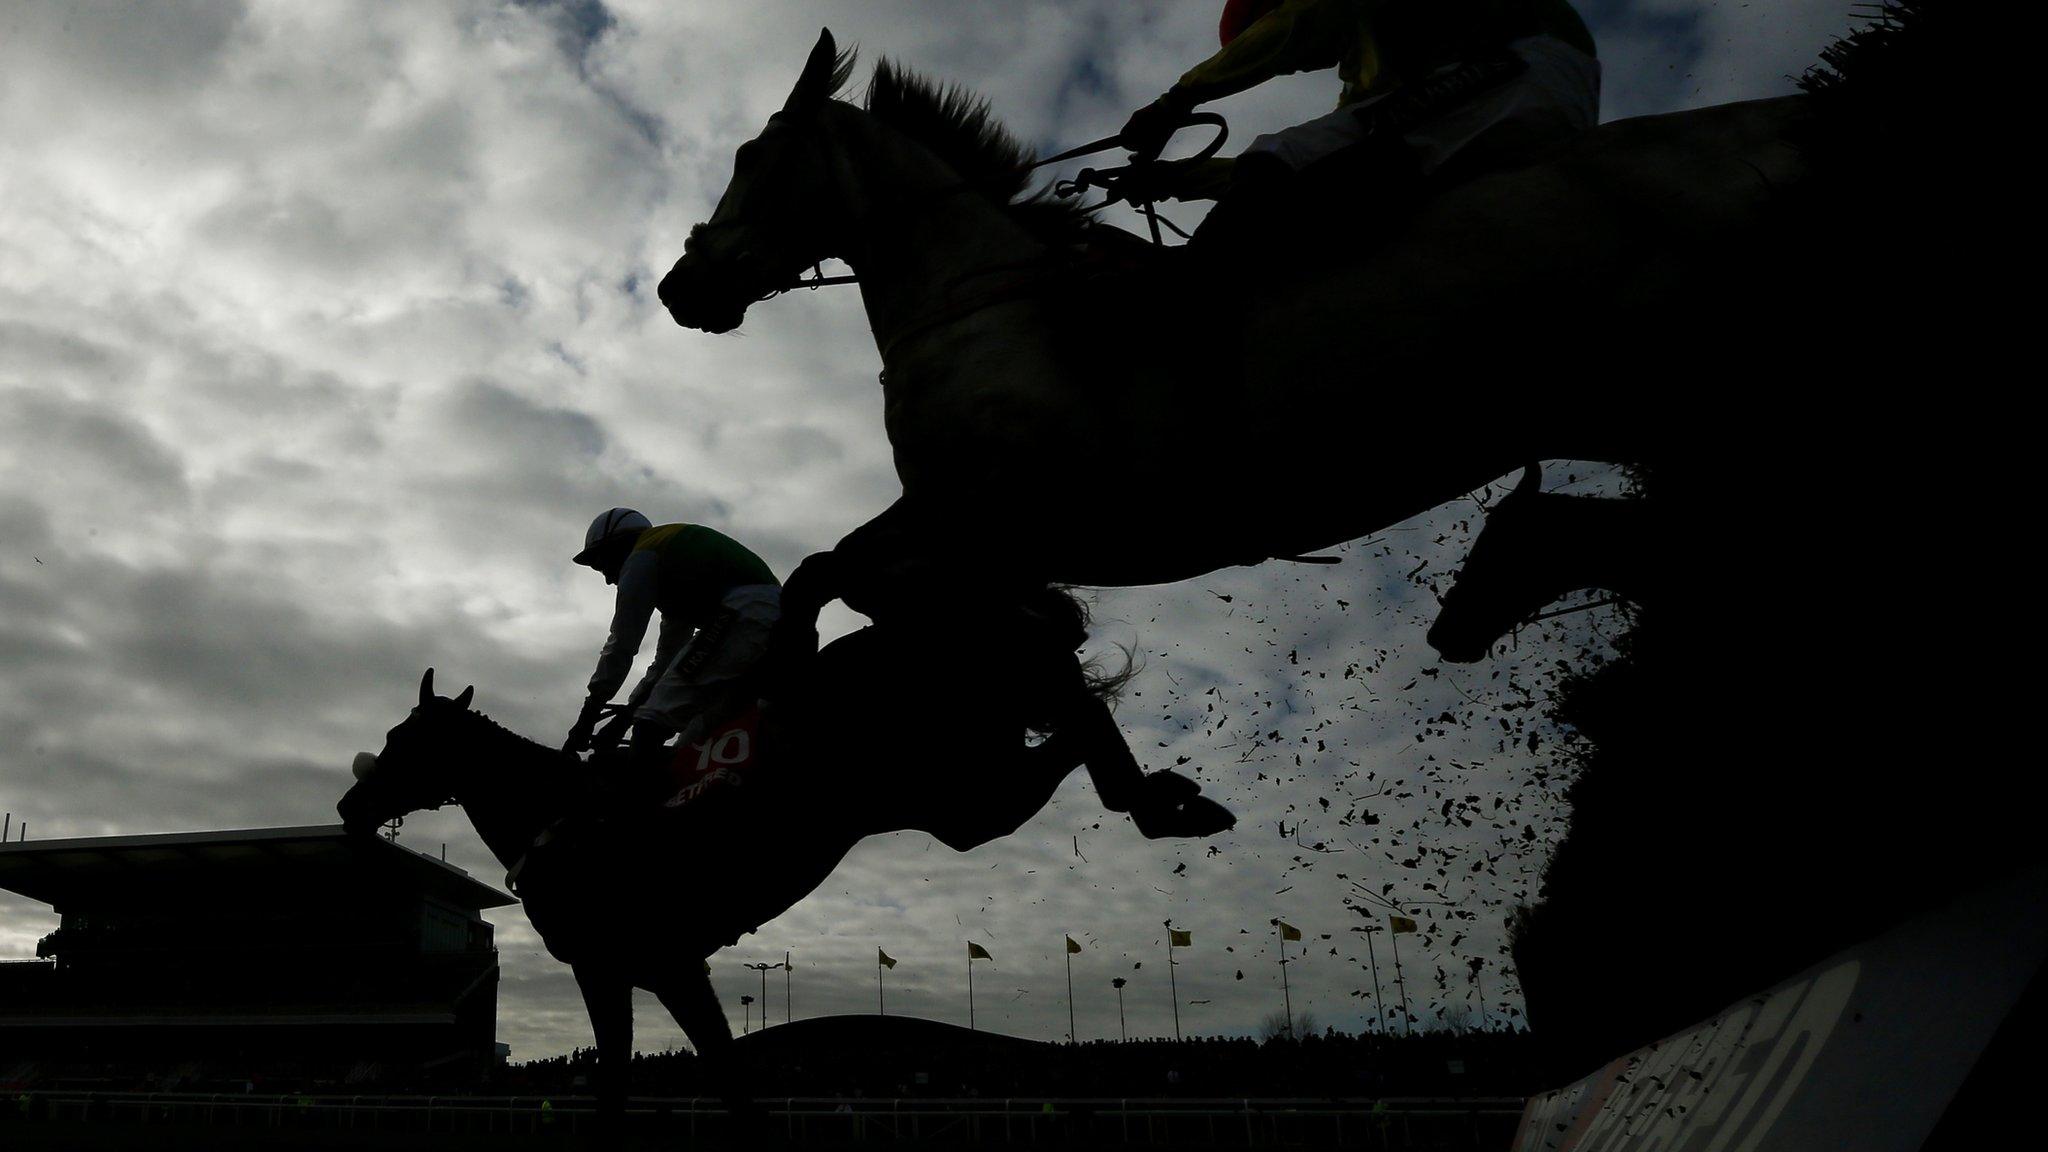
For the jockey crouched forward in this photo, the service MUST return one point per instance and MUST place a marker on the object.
(718, 603)
(1433, 90)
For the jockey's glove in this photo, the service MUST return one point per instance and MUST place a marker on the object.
(608, 737)
(578, 739)
(1150, 127)
(586, 723)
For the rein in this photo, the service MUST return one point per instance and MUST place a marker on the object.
(1104, 178)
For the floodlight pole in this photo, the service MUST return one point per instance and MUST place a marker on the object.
(1286, 997)
(1072, 1036)
(1379, 1004)
(1172, 984)
(1407, 1021)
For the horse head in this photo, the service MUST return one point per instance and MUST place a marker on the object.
(411, 772)
(772, 222)
(1489, 598)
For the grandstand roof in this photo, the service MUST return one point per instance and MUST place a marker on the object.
(300, 863)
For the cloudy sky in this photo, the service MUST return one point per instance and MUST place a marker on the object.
(325, 328)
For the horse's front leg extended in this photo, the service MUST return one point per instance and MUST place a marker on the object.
(608, 997)
(690, 998)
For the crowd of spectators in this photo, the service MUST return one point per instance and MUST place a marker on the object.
(885, 1064)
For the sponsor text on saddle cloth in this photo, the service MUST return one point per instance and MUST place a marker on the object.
(715, 765)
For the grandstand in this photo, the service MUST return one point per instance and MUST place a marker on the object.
(285, 957)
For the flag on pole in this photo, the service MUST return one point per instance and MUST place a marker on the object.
(1072, 948)
(884, 959)
(1289, 931)
(977, 952)
(1180, 939)
(1401, 923)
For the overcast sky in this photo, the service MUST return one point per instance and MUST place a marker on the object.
(326, 328)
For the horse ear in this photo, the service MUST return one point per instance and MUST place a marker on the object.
(426, 687)
(463, 700)
(1532, 479)
(817, 83)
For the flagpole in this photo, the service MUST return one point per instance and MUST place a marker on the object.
(1071, 1037)
(788, 1006)
(1172, 984)
(970, 989)
(1407, 1021)
(1379, 1004)
(881, 1002)
(1286, 997)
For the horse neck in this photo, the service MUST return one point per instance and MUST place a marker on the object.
(509, 786)
(920, 242)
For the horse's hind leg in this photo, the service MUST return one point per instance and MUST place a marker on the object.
(1162, 804)
(689, 997)
(608, 997)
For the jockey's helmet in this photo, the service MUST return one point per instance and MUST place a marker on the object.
(1239, 15)
(613, 524)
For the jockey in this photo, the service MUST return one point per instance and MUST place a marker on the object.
(1488, 81)
(718, 603)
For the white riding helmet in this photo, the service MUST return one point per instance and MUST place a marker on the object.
(615, 522)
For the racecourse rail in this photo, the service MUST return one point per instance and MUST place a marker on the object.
(1410, 1122)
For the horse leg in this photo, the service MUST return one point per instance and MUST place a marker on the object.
(690, 998)
(608, 997)
(1162, 804)
(1012, 792)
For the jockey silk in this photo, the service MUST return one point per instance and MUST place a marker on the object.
(702, 582)
(1375, 45)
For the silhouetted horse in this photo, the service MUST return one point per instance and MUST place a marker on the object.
(875, 735)
(1052, 423)
(1538, 546)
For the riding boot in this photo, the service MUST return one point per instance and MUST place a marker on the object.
(650, 754)
(1237, 232)
(1275, 217)
(1356, 196)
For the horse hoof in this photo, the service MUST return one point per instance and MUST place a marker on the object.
(1194, 817)
(1167, 788)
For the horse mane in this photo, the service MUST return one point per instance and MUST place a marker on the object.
(492, 727)
(960, 128)
(1900, 82)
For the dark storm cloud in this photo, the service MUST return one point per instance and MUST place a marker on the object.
(34, 354)
(521, 429)
(147, 51)
(57, 438)
(578, 24)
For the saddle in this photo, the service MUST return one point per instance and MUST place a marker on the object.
(691, 782)
(715, 766)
